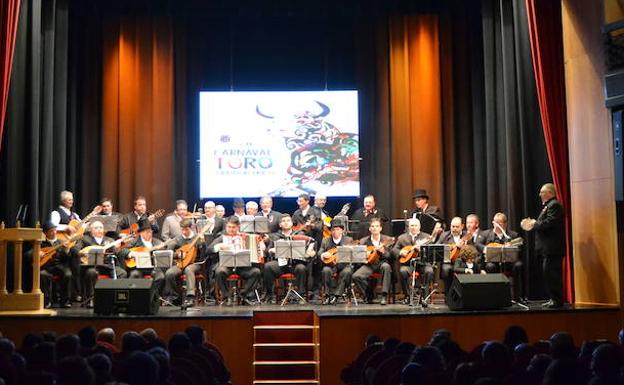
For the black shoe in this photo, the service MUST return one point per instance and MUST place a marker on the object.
(406, 300)
(271, 299)
(77, 298)
(66, 305)
(554, 305)
(228, 301)
(249, 301)
(548, 303)
(189, 301)
(90, 304)
(333, 300)
(48, 305)
(369, 300)
(326, 300)
(384, 299)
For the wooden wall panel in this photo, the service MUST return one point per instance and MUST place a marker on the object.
(596, 272)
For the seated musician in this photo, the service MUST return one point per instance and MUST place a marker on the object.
(477, 237)
(232, 239)
(501, 235)
(58, 265)
(171, 275)
(380, 244)
(308, 219)
(145, 241)
(139, 212)
(451, 237)
(96, 237)
(107, 210)
(405, 244)
(274, 268)
(363, 216)
(345, 271)
(466, 262)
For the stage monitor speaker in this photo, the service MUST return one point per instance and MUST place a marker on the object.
(479, 292)
(129, 296)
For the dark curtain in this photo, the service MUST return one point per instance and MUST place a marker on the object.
(547, 48)
(52, 125)
(497, 155)
(9, 16)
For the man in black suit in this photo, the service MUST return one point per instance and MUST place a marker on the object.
(310, 216)
(363, 216)
(383, 246)
(58, 265)
(451, 237)
(502, 235)
(477, 239)
(274, 217)
(139, 212)
(550, 242)
(345, 271)
(148, 241)
(421, 199)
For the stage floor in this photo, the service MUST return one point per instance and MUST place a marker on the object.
(338, 310)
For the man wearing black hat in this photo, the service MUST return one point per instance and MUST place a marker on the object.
(421, 198)
(276, 267)
(345, 271)
(145, 240)
(174, 271)
(238, 205)
(58, 265)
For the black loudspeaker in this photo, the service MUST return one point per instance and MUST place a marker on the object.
(479, 292)
(129, 296)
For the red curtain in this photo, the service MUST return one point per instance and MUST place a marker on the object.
(9, 15)
(545, 31)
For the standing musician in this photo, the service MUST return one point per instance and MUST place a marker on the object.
(274, 217)
(421, 199)
(345, 271)
(96, 237)
(451, 237)
(139, 212)
(232, 239)
(274, 268)
(550, 242)
(238, 205)
(220, 211)
(107, 210)
(309, 218)
(251, 208)
(320, 200)
(501, 235)
(466, 262)
(218, 223)
(416, 238)
(59, 265)
(171, 275)
(145, 240)
(363, 216)
(171, 225)
(382, 245)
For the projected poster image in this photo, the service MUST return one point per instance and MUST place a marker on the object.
(279, 143)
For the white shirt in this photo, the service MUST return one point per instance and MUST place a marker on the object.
(55, 218)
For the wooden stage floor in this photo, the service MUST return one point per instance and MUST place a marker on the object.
(341, 328)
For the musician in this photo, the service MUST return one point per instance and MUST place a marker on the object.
(421, 199)
(478, 236)
(274, 268)
(59, 265)
(210, 211)
(171, 224)
(107, 210)
(139, 212)
(363, 216)
(238, 205)
(274, 217)
(64, 213)
(453, 236)
(320, 200)
(220, 211)
(345, 271)
(233, 240)
(96, 237)
(310, 217)
(171, 275)
(466, 262)
(413, 237)
(502, 235)
(251, 208)
(550, 242)
(382, 244)
(145, 240)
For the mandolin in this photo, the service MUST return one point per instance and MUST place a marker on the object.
(411, 251)
(47, 253)
(84, 252)
(456, 248)
(373, 251)
(305, 226)
(332, 258)
(131, 260)
(186, 254)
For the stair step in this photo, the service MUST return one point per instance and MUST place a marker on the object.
(286, 382)
(284, 344)
(284, 363)
(285, 327)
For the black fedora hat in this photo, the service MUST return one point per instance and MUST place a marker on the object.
(337, 223)
(421, 193)
(144, 224)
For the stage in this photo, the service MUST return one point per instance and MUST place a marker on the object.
(334, 333)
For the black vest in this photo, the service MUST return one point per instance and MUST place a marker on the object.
(65, 218)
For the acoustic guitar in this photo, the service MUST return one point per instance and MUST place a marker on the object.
(134, 228)
(456, 248)
(373, 251)
(84, 252)
(47, 253)
(131, 260)
(186, 254)
(410, 252)
(79, 226)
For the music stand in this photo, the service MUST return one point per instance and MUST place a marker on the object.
(435, 254)
(109, 222)
(501, 254)
(163, 259)
(427, 222)
(290, 250)
(234, 259)
(254, 225)
(350, 255)
(95, 258)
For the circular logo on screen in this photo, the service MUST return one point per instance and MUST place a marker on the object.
(225, 138)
